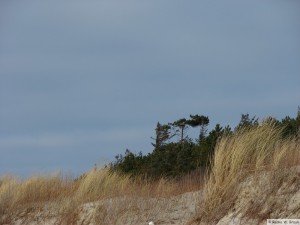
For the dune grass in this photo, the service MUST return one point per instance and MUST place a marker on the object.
(65, 195)
(259, 153)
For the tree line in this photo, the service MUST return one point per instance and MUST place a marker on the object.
(171, 158)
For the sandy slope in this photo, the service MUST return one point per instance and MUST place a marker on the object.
(256, 202)
(177, 210)
(126, 211)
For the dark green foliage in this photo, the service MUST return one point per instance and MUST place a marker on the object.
(291, 125)
(171, 159)
(207, 144)
(201, 121)
(163, 134)
(129, 163)
(247, 122)
(271, 120)
(179, 128)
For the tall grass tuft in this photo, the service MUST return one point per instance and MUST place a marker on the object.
(249, 152)
(64, 196)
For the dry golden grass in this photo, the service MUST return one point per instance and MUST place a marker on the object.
(247, 169)
(64, 196)
(249, 153)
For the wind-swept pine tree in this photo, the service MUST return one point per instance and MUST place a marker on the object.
(163, 134)
(247, 122)
(201, 121)
(180, 126)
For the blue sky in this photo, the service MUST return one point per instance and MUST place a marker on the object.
(81, 81)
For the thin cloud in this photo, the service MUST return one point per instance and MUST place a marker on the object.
(71, 139)
(94, 77)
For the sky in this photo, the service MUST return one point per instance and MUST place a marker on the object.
(82, 81)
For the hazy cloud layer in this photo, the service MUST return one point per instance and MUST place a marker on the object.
(82, 81)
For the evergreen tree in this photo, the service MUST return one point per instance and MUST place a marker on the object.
(270, 120)
(291, 126)
(247, 122)
(201, 121)
(163, 134)
(180, 127)
(176, 158)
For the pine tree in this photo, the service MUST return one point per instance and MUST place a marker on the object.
(247, 122)
(179, 128)
(163, 134)
(201, 121)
